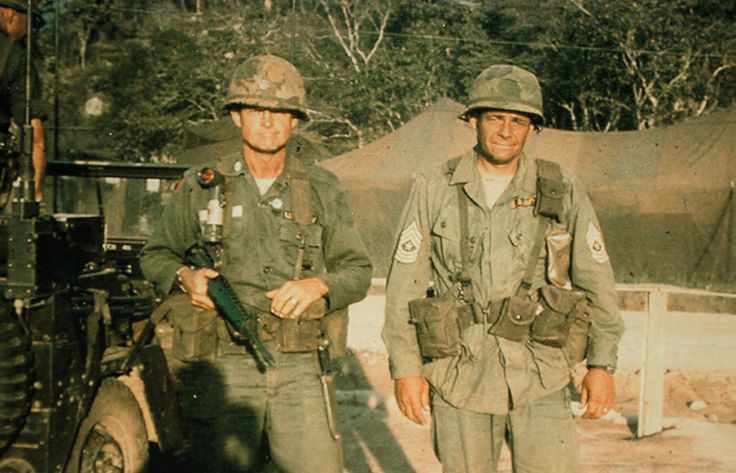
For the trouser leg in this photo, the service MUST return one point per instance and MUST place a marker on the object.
(466, 442)
(223, 405)
(229, 405)
(542, 436)
(297, 426)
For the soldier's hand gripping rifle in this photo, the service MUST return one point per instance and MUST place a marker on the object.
(206, 255)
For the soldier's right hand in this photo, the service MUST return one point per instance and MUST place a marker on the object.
(194, 282)
(412, 396)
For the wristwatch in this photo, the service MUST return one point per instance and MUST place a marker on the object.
(610, 369)
(179, 280)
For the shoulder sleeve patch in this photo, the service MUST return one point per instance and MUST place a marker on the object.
(409, 242)
(596, 245)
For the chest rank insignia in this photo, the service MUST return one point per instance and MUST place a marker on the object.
(523, 201)
(409, 242)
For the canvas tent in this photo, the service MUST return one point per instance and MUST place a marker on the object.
(665, 197)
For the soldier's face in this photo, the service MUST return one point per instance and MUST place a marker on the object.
(264, 131)
(501, 135)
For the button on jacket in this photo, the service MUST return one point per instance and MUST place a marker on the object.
(490, 369)
(261, 238)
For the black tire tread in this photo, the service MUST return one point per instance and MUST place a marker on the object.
(16, 378)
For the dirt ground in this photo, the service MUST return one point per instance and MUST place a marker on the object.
(699, 411)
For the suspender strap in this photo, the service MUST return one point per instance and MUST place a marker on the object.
(301, 203)
(526, 283)
(551, 191)
(549, 207)
(463, 277)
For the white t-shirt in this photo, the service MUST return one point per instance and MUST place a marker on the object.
(493, 186)
(264, 184)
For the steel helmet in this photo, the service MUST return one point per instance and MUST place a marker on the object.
(507, 87)
(270, 82)
(21, 6)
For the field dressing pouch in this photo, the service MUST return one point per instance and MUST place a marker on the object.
(517, 314)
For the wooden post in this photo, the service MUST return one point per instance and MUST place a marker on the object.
(651, 392)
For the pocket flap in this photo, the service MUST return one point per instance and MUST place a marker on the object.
(430, 309)
(551, 188)
(521, 311)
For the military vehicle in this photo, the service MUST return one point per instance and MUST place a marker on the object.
(82, 388)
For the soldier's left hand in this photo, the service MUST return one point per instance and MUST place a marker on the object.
(293, 297)
(598, 392)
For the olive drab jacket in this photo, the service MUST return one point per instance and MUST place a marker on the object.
(260, 235)
(489, 369)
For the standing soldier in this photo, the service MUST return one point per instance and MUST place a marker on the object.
(13, 28)
(500, 282)
(292, 255)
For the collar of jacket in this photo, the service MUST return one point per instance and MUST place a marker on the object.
(234, 165)
(524, 181)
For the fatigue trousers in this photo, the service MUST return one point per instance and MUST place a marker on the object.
(540, 436)
(229, 405)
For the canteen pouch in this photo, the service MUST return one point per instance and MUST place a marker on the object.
(517, 314)
(195, 334)
(437, 325)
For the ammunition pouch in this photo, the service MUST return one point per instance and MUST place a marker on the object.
(564, 322)
(195, 333)
(226, 343)
(298, 335)
(517, 314)
(439, 323)
(306, 333)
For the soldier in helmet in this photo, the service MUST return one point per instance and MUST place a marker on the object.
(295, 261)
(500, 282)
(13, 29)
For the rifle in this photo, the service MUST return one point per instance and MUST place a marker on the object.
(228, 305)
(206, 254)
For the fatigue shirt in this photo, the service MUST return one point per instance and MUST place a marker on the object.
(12, 85)
(492, 374)
(260, 241)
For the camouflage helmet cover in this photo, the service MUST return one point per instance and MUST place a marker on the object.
(18, 5)
(507, 87)
(270, 82)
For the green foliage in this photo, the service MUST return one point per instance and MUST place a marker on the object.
(371, 65)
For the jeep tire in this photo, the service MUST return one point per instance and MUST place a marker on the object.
(16, 377)
(112, 438)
